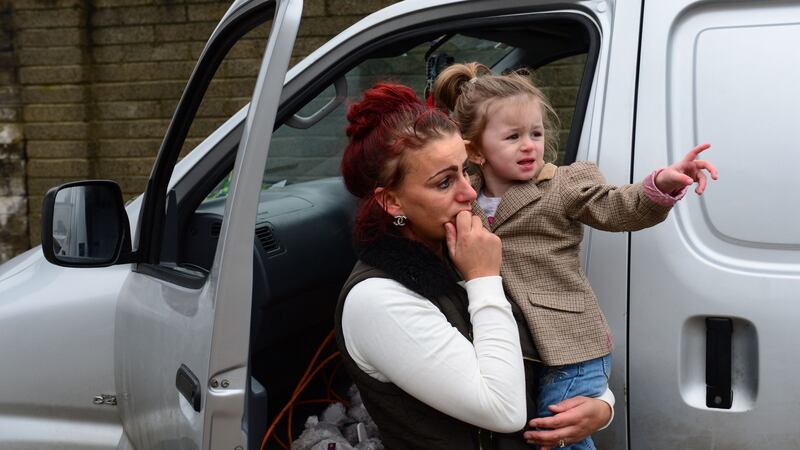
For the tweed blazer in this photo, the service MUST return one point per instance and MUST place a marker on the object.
(541, 225)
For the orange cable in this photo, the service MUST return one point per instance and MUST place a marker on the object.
(329, 379)
(281, 443)
(301, 385)
(308, 380)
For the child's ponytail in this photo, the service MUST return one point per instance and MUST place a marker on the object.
(452, 82)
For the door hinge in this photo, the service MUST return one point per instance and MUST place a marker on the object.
(105, 399)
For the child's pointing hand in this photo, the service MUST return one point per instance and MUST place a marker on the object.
(685, 172)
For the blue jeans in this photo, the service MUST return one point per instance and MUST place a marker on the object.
(558, 383)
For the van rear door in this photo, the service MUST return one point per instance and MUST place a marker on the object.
(715, 291)
(182, 335)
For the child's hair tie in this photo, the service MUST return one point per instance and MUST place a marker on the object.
(473, 80)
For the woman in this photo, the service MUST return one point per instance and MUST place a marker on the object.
(438, 365)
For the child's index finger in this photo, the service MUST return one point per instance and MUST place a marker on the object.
(693, 153)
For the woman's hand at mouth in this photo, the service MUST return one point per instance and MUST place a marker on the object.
(475, 251)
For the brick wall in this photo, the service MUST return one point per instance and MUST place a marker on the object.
(87, 88)
(13, 202)
(560, 81)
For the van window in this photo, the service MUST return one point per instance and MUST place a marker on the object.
(312, 155)
(298, 155)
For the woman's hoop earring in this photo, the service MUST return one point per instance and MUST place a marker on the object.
(400, 221)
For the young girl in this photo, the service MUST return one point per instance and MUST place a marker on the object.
(539, 210)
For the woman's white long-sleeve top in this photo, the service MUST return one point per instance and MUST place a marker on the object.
(395, 335)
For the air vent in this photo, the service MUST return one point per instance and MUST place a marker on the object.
(267, 238)
(216, 227)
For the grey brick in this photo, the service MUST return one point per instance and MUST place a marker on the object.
(139, 15)
(64, 168)
(53, 75)
(197, 31)
(560, 97)
(339, 7)
(12, 168)
(14, 226)
(239, 68)
(116, 167)
(127, 148)
(51, 131)
(9, 114)
(7, 77)
(54, 113)
(233, 87)
(50, 56)
(131, 129)
(142, 52)
(9, 95)
(126, 110)
(34, 226)
(13, 186)
(123, 35)
(6, 42)
(167, 107)
(221, 107)
(49, 18)
(248, 48)
(211, 12)
(143, 71)
(20, 5)
(50, 37)
(138, 91)
(568, 76)
(53, 94)
(57, 149)
(314, 8)
(117, 3)
(7, 61)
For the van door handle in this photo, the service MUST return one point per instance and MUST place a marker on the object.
(189, 386)
(718, 362)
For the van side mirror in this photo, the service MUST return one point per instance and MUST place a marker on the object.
(84, 224)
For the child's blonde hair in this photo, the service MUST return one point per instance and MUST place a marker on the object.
(468, 90)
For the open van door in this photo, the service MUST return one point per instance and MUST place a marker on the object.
(714, 289)
(182, 335)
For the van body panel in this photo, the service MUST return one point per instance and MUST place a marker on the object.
(709, 72)
(54, 372)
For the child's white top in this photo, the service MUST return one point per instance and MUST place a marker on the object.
(488, 204)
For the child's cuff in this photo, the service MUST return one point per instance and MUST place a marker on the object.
(661, 198)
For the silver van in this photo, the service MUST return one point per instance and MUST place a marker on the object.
(183, 319)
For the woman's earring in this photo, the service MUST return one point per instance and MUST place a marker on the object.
(400, 221)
